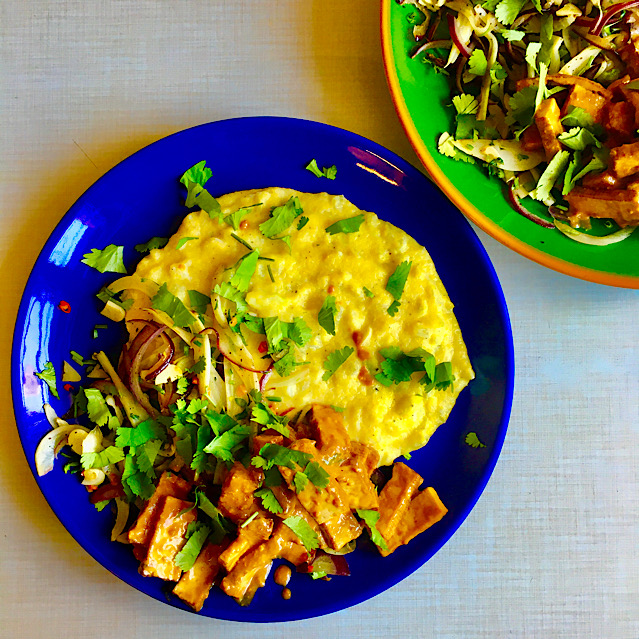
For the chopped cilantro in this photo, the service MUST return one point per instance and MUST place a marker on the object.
(318, 574)
(317, 475)
(222, 446)
(263, 415)
(507, 10)
(281, 218)
(136, 481)
(234, 219)
(47, 375)
(244, 271)
(194, 180)
(393, 308)
(371, 517)
(276, 455)
(472, 440)
(108, 259)
(397, 281)
(477, 65)
(229, 292)
(269, 500)
(153, 243)
(335, 360)
(173, 306)
(105, 294)
(327, 172)
(110, 455)
(578, 139)
(512, 35)
(326, 315)
(78, 359)
(550, 176)
(198, 174)
(444, 377)
(218, 523)
(466, 104)
(300, 480)
(242, 241)
(303, 221)
(197, 536)
(199, 301)
(348, 225)
(270, 273)
(368, 292)
(97, 407)
(96, 328)
(184, 240)
(146, 456)
(182, 385)
(303, 531)
(398, 366)
(145, 431)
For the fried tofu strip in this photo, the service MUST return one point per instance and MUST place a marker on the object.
(329, 432)
(619, 205)
(619, 122)
(364, 459)
(169, 485)
(568, 80)
(424, 510)
(582, 98)
(360, 491)
(195, 584)
(291, 507)
(237, 582)
(236, 500)
(547, 119)
(624, 159)
(168, 539)
(341, 529)
(395, 498)
(249, 536)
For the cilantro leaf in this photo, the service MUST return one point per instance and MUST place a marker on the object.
(234, 219)
(201, 461)
(105, 294)
(550, 176)
(142, 433)
(136, 481)
(464, 103)
(300, 480)
(184, 240)
(186, 557)
(108, 259)
(263, 415)
(153, 243)
(110, 455)
(317, 475)
(198, 367)
(276, 455)
(223, 445)
(348, 225)
(477, 65)
(244, 272)
(303, 531)
(199, 301)
(318, 574)
(269, 500)
(507, 10)
(335, 360)
(47, 375)
(472, 440)
(147, 455)
(578, 117)
(393, 309)
(371, 517)
(327, 172)
(97, 407)
(229, 292)
(219, 524)
(512, 35)
(173, 306)
(578, 139)
(326, 315)
(303, 221)
(397, 281)
(444, 377)
(198, 195)
(399, 367)
(368, 293)
(281, 218)
(532, 52)
(182, 385)
(198, 174)
(78, 359)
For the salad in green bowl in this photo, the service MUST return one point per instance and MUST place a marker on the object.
(526, 113)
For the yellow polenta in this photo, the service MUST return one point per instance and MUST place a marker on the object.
(395, 419)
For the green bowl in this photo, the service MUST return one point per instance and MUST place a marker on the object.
(422, 99)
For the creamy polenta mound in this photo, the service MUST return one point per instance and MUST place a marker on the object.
(292, 280)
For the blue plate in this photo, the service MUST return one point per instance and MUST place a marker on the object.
(141, 198)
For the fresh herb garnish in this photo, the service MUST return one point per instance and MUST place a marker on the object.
(109, 259)
(110, 455)
(234, 219)
(303, 531)
(328, 172)
(47, 375)
(398, 367)
(472, 440)
(371, 517)
(153, 243)
(197, 534)
(335, 360)
(194, 179)
(326, 315)
(348, 225)
(173, 306)
(269, 500)
(281, 218)
(199, 301)
(184, 240)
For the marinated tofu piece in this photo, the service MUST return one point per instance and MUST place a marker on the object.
(168, 539)
(582, 98)
(170, 485)
(261, 440)
(341, 529)
(632, 98)
(359, 490)
(620, 205)
(619, 122)
(624, 159)
(396, 497)
(238, 581)
(363, 458)
(530, 139)
(195, 584)
(603, 180)
(292, 549)
(249, 536)
(548, 121)
(325, 504)
(424, 510)
(291, 507)
(236, 500)
(329, 432)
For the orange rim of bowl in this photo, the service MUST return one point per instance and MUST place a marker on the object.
(463, 204)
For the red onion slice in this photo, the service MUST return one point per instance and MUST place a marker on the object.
(516, 204)
(135, 372)
(227, 357)
(604, 19)
(454, 36)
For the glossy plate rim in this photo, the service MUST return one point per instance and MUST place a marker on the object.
(458, 199)
(342, 137)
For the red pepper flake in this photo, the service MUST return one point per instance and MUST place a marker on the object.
(263, 347)
(64, 306)
(68, 387)
(365, 377)
(330, 290)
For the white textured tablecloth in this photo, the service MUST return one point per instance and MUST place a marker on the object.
(550, 549)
